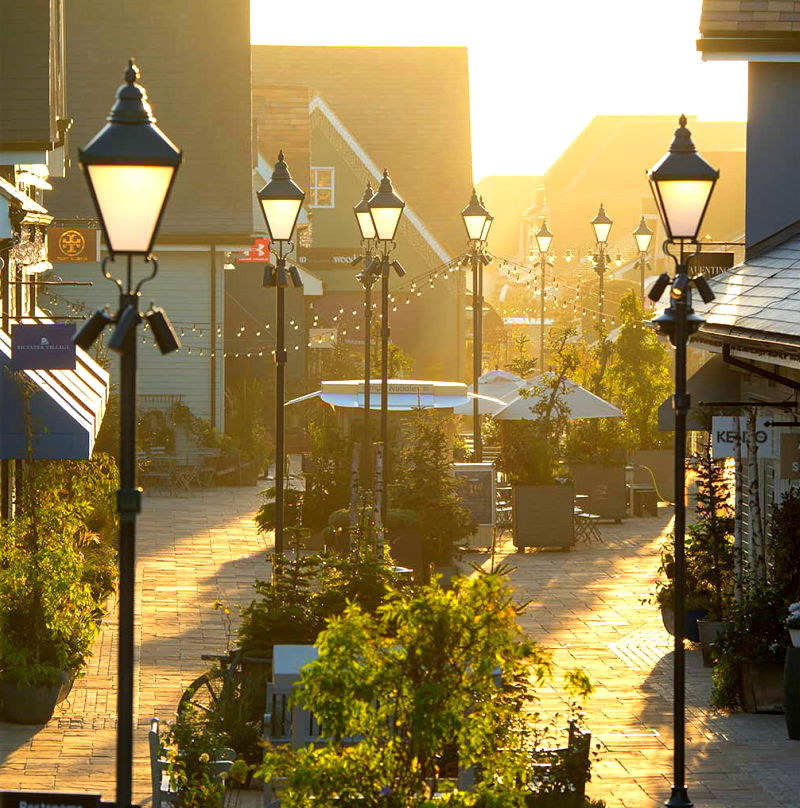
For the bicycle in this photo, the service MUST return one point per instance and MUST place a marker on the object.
(212, 690)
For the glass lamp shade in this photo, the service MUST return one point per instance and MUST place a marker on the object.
(643, 235)
(130, 166)
(682, 183)
(363, 216)
(386, 208)
(487, 226)
(601, 225)
(281, 200)
(543, 238)
(475, 216)
(281, 217)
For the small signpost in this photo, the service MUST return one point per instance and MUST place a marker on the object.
(790, 456)
(44, 346)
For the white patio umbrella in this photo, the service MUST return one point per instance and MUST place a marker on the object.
(581, 403)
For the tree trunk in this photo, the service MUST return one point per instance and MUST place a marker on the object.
(737, 515)
(757, 558)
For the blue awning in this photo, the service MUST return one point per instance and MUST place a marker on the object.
(66, 407)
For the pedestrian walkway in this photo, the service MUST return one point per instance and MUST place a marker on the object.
(191, 551)
(585, 605)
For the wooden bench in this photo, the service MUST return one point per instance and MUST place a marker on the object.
(159, 779)
(573, 758)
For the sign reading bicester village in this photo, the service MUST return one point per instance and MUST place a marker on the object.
(42, 347)
(723, 436)
(65, 244)
(41, 799)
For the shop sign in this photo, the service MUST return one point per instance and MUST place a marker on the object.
(322, 337)
(42, 347)
(723, 436)
(65, 244)
(257, 254)
(320, 258)
(790, 456)
(41, 799)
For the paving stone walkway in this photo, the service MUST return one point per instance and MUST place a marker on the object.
(585, 605)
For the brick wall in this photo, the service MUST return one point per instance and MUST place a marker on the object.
(282, 122)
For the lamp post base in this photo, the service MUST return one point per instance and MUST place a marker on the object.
(679, 798)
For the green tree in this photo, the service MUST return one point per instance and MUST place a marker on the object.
(425, 484)
(638, 377)
(417, 684)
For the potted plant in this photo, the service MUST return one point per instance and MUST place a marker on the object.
(48, 615)
(749, 669)
(426, 486)
(543, 500)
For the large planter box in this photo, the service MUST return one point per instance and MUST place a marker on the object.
(605, 486)
(762, 686)
(661, 461)
(544, 515)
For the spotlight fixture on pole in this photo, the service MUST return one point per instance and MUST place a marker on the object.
(643, 236)
(601, 225)
(682, 183)
(367, 277)
(386, 209)
(280, 201)
(543, 239)
(129, 166)
(477, 222)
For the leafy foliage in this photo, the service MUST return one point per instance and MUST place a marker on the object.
(411, 685)
(192, 746)
(531, 450)
(638, 377)
(55, 571)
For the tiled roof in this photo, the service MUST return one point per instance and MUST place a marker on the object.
(759, 300)
(737, 17)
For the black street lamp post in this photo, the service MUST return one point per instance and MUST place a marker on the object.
(280, 200)
(682, 183)
(386, 208)
(601, 225)
(130, 166)
(643, 236)
(478, 222)
(543, 239)
(367, 278)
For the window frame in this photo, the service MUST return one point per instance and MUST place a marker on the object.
(314, 188)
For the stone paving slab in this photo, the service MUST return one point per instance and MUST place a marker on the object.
(586, 606)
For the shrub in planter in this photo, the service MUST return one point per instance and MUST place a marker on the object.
(414, 683)
(426, 485)
(48, 616)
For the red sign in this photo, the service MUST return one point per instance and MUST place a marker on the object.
(258, 253)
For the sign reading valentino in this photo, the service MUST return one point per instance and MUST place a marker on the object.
(71, 244)
(42, 347)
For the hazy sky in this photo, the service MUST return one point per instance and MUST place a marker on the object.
(539, 69)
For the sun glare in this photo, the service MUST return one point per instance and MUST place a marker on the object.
(539, 72)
